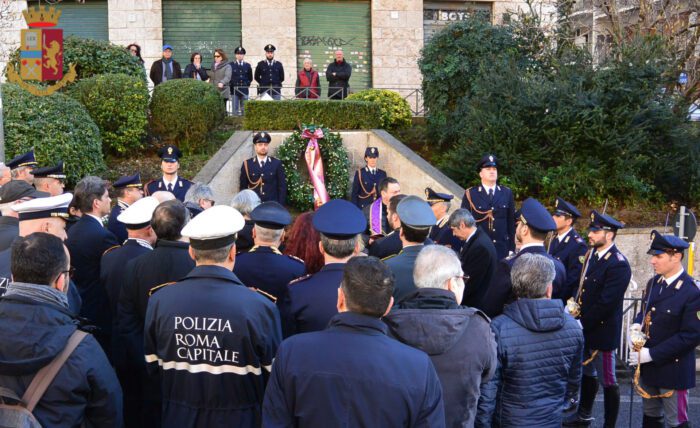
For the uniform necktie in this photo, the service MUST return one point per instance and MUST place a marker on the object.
(595, 257)
(491, 195)
(170, 187)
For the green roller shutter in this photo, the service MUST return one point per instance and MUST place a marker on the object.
(87, 20)
(323, 27)
(201, 26)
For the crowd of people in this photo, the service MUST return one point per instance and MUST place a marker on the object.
(170, 309)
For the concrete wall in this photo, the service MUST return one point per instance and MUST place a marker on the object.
(11, 24)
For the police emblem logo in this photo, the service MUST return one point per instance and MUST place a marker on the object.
(581, 259)
(170, 150)
(592, 217)
(373, 150)
(491, 158)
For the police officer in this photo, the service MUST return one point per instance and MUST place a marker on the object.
(264, 174)
(241, 77)
(129, 190)
(365, 184)
(534, 223)
(269, 74)
(264, 267)
(311, 300)
(416, 220)
(601, 292)
(13, 193)
(568, 247)
(441, 232)
(170, 163)
(21, 167)
(50, 179)
(210, 337)
(670, 319)
(492, 206)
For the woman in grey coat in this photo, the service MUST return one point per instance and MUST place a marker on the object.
(220, 74)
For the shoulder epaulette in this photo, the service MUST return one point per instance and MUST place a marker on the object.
(580, 240)
(296, 258)
(158, 287)
(621, 257)
(264, 294)
(301, 278)
(110, 249)
(697, 284)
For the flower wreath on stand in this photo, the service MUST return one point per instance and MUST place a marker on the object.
(326, 161)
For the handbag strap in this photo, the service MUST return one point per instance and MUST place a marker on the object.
(46, 375)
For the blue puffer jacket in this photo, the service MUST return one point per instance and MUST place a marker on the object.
(539, 366)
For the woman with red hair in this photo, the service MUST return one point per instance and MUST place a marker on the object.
(302, 242)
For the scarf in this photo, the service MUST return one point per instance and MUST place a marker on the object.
(168, 68)
(39, 293)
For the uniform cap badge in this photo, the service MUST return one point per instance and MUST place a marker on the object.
(170, 150)
(491, 158)
(581, 259)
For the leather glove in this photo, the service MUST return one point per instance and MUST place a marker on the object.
(634, 327)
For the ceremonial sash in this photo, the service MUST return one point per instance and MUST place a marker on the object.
(375, 217)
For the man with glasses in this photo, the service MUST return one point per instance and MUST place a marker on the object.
(50, 179)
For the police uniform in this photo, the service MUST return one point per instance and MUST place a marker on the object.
(25, 159)
(670, 318)
(570, 249)
(269, 74)
(311, 300)
(211, 338)
(181, 185)
(241, 77)
(500, 292)
(56, 172)
(265, 268)
(268, 180)
(113, 224)
(494, 214)
(441, 232)
(417, 214)
(365, 183)
(600, 297)
(9, 193)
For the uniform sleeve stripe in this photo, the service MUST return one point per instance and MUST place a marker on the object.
(206, 368)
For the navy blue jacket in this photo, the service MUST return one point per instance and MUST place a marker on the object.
(441, 234)
(389, 245)
(179, 189)
(386, 228)
(241, 77)
(87, 241)
(500, 291)
(213, 341)
(274, 181)
(352, 375)
(502, 229)
(269, 76)
(115, 226)
(602, 296)
(571, 251)
(479, 262)
(674, 332)
(401, 266)
(311, 301)
(365, 186)
(539, 366)
(432, 321)
(9, 230)
(85, 390)
(267, 269)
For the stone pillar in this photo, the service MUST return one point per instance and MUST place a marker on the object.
(271, 21)
(140, 22)
(11, 24)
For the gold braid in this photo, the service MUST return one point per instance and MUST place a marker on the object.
(487, 215)
(638, 370)
(359, 178)
(252, 184)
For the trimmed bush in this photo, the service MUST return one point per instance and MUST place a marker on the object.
(183, 111)
(57, 127)
(93, 57)
(119, 106)
(288, 114)
(396, 112)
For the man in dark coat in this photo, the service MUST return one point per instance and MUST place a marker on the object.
(478, 257)
(432, 320)
(533, 225)
(264, 174)
(441, 232)
(264, 267)
(539, 353)
(376, 212)
(670, 319)
(50, 179)
(416, 219)
(338, 75)
(311, 300)
(169, 261)
(269, 73)
(22, 167)
(165, 68)
(600, 298)
(87, 240)
(241, 77)
(13, 193)
(36, 325)
(352, 374)
(493, 207)
(128, 190)
(365, 182)
(170, 181)
(210, 337)
(568, 247)
(389, 245)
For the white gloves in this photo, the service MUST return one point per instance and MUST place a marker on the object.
(634, 327)
(641, 357)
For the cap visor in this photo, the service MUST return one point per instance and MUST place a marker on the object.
(654, 252)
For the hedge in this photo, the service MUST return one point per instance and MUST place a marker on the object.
(288, 114)
(396, 112)
(57, 127)
(184, 111)
(119, 106)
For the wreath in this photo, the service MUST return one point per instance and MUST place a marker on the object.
(335, 164)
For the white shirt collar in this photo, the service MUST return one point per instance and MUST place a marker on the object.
(561, 237)
(260, 160)
(672, 279)
(174, 182)
(531, 244)
(603, 252)
(99, 220)
(470, 235)
(487, 188)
